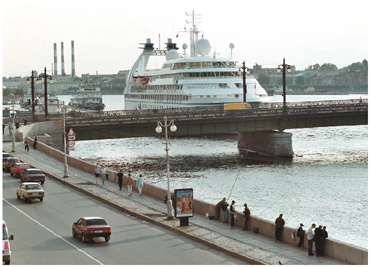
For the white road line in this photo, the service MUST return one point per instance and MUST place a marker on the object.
(55, 234)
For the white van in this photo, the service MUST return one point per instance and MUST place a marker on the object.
(6, 244)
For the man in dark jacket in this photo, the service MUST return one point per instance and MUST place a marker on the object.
(325, 236)
(120, 179)
(300, 235)
(318, 240)
(247, 215)
(279, 227)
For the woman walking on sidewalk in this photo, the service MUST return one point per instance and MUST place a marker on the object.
(140, 184)
(97, 173)
(130, 183)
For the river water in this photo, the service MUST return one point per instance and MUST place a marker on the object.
(327, 182)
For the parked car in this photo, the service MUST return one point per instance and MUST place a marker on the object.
(18, 168)
(6, 244)
(87, 228)
(8, 162)
(6, 155)
(30, 191)
(33, 175)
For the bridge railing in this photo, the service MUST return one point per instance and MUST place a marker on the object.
(266, 109)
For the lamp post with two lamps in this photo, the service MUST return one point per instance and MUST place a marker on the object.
(173, 128)
(46, 78)
(284, 68)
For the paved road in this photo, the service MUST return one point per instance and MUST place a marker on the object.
(43, 233)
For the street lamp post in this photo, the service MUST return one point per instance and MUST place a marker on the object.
(66, 175)
(173, 128)
(13, 124)
(284, 68)
(244, 68)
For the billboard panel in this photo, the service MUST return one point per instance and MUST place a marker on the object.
(184, 202)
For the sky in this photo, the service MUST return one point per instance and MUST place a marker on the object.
(107, 33)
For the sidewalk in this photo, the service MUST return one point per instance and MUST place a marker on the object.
(242, 244)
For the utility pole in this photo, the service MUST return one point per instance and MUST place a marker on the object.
(33, 94)
(46, 93)
(66, 175)
(244, 84)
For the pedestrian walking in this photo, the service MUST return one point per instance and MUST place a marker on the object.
(279, 227)
(225, 211)
(17, 124)
(232, 214)
(247, 215)
(97, 172)
(310, 238)
(103, 174)
(26, 146)
(106, 174)
(35, 142)
(325, 236)
(300, 235)
(218, 208)
(120, 179)
(24, 122)
(4, 125)
(140, 184)
(130, 183)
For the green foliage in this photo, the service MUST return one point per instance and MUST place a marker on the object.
(16, 92)
(328, 67)
(264, 79)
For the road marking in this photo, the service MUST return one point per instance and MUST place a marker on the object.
(54, 233)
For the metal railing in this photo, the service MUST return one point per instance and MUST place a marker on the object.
(196, 113)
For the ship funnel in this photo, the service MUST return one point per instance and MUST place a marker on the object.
(62, 58)
(148, 46)
(171, 45)
(55, 60)
(73, 72)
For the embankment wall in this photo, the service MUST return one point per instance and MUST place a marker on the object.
(334, 248)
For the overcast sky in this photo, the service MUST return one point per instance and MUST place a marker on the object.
(107, 32)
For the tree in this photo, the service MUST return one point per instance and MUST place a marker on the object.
(328, 67)
(264, 79)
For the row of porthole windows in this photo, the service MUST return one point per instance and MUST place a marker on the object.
(187, 65)
(159, 87)
(170, 98)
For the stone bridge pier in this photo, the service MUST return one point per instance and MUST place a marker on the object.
(265, 145)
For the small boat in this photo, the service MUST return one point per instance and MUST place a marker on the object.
(88, 98)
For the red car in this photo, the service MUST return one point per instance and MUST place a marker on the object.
(18, 168)
(8, 162)
(87, 228)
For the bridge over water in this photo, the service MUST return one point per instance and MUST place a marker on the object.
(260, 129)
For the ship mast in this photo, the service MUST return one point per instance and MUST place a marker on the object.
(193, 34)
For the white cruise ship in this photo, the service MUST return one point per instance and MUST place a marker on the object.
(190, 80)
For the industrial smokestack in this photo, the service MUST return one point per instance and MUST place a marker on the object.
(73, 58)
(55, 60)
(62, 58)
